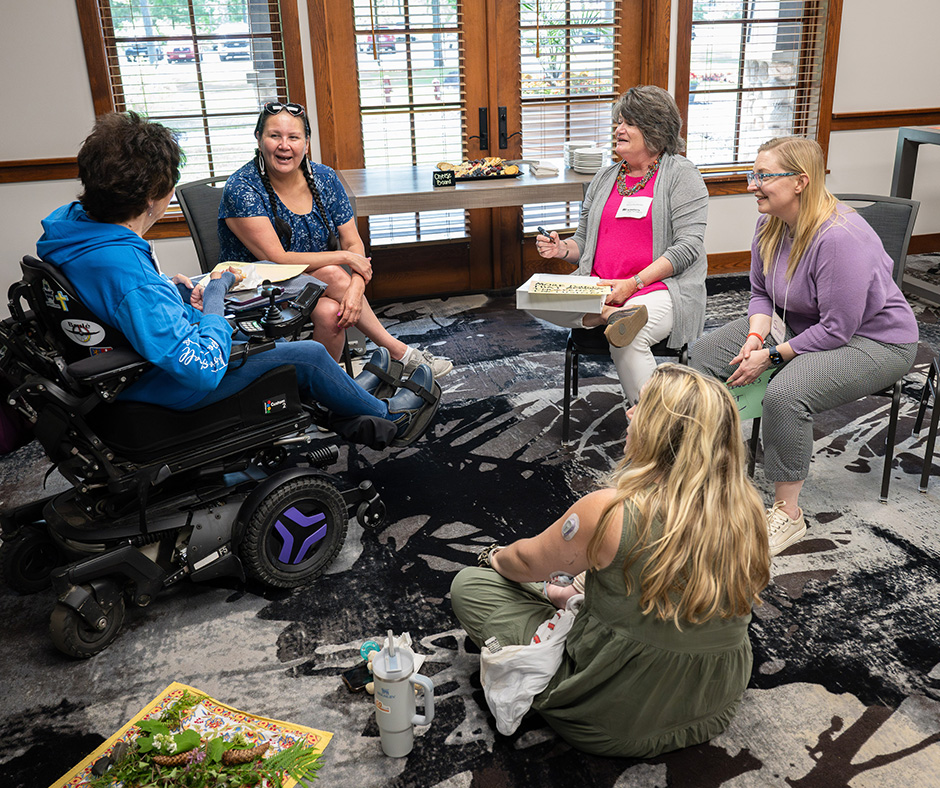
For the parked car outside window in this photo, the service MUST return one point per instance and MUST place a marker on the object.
(180, 54)
(386, 43)
(232, 48)
(143, 50)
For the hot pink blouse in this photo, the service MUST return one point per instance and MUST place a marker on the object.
(625, 246)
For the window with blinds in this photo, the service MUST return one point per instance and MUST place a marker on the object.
(202, 67)
(755, 72)
(569, 84)
(410, 68)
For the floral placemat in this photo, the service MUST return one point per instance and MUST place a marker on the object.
(209, 718)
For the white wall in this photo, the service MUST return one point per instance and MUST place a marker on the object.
(48, 111)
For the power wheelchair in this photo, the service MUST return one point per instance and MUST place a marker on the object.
(231, 490)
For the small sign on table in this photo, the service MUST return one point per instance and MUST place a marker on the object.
(444, 178)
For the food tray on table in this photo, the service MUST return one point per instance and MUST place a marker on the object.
(481, 169)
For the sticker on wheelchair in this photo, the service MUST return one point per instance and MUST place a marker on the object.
(274, 405)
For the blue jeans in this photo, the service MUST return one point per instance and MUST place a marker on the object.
(319, 378)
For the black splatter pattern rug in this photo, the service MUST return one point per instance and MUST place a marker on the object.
(846, 683)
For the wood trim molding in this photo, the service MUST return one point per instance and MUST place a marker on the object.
(740, 262)
(654, 64)
(924, 244)
(28, 170)
(885, 119)
(729, 263)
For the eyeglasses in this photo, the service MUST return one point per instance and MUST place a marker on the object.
(760, 177)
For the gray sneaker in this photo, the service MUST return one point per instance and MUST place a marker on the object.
(782, 530)
(413, 357)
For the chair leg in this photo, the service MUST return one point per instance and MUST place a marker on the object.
(930, 386)
(889, 443)
(752, 447)
(570, 359)
(347, 359)
(929, 448)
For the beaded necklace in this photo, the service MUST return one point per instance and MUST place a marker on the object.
(622, 178)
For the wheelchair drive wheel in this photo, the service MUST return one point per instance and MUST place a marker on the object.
(295, 533)
(27, 559)
(74, 636)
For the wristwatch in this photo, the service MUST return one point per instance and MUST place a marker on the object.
(639, 282)
(775, 358)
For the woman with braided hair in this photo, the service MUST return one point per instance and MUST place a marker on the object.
(284, 208)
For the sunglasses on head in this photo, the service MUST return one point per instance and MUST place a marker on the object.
(276, 107)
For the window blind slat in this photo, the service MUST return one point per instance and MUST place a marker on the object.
(201, 67)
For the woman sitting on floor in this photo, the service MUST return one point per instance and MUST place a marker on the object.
(825, 311)
(642, 230)
(128, 167)
(676, 553)
(287, 209)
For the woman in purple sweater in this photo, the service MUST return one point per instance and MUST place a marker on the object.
(824, 310)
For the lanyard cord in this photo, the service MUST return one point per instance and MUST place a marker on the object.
(773, 292)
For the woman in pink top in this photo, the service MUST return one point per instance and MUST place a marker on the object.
(642, 231)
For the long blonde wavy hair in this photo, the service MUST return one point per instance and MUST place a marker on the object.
(685, 465)
(817, 204)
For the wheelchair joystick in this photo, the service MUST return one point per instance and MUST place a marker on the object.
(271, 313)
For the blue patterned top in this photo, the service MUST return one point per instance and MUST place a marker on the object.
(244, 195)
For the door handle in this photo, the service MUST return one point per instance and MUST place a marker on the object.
(484, 135)
(503, 136)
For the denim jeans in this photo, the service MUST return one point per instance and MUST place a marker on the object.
(319, 378)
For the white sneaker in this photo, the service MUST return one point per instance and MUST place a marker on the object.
(413, 357)
(782, 530)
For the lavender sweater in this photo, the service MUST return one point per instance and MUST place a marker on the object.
(843, 287)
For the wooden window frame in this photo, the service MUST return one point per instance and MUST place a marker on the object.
(737, 183)
(96, 59)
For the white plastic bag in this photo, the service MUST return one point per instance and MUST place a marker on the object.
(513, 675)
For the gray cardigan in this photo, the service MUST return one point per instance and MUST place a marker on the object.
(679, 210)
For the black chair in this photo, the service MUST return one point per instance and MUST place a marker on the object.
(930, 390)
(592, 342)
(199, 201)
(892, 218)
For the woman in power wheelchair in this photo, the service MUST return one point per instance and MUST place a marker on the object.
(197, 466)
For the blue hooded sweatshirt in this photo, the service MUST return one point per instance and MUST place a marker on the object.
(114, 272)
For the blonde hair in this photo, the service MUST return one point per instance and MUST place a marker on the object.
(685, 466)
(817, 204)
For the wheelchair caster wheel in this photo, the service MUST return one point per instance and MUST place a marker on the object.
(72, 635)
(28, 559)
(371, 514)
(295, 533)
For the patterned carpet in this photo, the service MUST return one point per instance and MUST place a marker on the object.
(846, 682)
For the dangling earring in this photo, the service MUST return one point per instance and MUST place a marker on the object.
(260, 163)
(150, 211)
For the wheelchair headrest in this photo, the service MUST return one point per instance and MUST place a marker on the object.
(70, 325)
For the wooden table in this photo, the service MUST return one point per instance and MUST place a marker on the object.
(408, 189)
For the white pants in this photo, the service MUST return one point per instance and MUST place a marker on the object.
(634, 363)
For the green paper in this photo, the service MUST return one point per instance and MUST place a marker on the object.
(750, 397)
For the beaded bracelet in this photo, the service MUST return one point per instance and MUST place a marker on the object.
(486, 554)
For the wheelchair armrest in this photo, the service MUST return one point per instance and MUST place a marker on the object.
(242, 350)
(109, 373)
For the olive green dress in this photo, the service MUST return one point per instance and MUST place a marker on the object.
(629, 684)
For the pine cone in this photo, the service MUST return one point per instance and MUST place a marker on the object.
(172, 760)
(234, 757)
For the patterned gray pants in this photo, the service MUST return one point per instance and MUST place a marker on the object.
(807, 384)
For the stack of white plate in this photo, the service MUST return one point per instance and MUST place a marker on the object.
(571, 146)
(587, 161)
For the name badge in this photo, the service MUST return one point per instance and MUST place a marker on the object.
(778, 329)
(634, 207)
